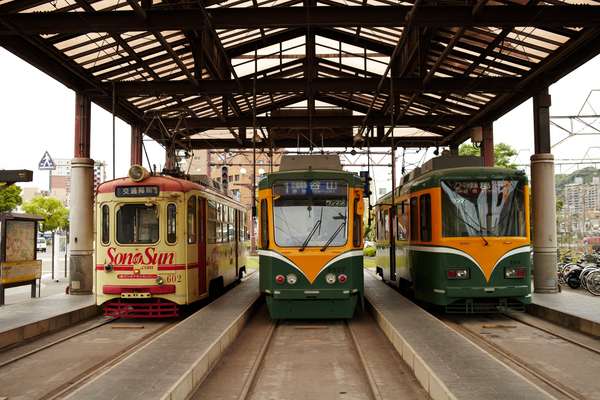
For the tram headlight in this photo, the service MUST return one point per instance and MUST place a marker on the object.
(291, 279)
(457, 273)
(108, 268)
(515, 272)
(330, 278)
(138, 173)
(159, 280)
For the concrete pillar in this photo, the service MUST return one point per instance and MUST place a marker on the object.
(487, 145)
(81, 246)
(136, 145)
(543, 200)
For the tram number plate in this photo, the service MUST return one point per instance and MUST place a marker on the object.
(135, 295)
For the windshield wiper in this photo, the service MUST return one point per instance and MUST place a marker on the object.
(337, 231)
(479, 231)
(310, 235)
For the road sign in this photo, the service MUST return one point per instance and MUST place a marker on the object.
(46, 163)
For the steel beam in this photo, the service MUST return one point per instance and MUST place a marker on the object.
(136, 145)
(83, 111)
(274, 17)
(330, 85)
(487, 145)
(317, 121)
(412, 141)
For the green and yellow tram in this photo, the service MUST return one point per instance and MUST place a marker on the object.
(310, 239)
(458, 237)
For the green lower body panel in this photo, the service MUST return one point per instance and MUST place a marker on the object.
(318, 299)
(313, 308)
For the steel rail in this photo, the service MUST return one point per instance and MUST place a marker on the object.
(54, 343)
(103, 365)
(490, 347)
(253, 373)
(361, 355)
(563, 337)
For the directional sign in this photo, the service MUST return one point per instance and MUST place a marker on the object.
(46, 162)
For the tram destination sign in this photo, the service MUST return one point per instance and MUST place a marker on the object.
(137, 191)
(314, 188)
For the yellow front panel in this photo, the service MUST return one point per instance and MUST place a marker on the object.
(312, 259)
(142, 264)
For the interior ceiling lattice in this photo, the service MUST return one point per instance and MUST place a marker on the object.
(329, 72)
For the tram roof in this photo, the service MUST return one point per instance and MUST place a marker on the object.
(205, 74)
(297, 175)
(434, 178)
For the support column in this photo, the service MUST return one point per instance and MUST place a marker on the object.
(81, 203)
(136, 145)
(454, 149)
(487, 145)
(543, 200)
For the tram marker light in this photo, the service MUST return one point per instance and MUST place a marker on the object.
(458, 273)
(108, 268)
(342, 278)
(280, 279)
(515, 272)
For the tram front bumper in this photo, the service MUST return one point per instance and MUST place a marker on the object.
(306, 294)
(494, 291)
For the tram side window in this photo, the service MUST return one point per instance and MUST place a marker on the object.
(171, 223)
(191, 220)
(380, 230)
(264, 224)
(105, 225)
(414, 222)
(137, 223)
(386, 225)
(357, 237)
(224, 225)
(425, 217)
(231, 226)
(402, 221)
(211, 225)
(219, 229)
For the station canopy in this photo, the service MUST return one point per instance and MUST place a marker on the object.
(323, 73)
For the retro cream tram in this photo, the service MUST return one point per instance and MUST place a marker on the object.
(163, 242)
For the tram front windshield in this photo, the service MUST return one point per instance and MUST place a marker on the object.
(310, 213)
(483, 208)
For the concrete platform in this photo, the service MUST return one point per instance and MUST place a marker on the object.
(446, 364)
(569, 309)
(173, 364)
(25, 320)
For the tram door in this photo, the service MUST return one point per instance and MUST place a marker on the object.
(201, 245)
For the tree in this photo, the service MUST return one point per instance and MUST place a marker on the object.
(502, 154)
(10, 198)
(55, 214)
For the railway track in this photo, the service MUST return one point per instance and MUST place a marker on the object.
(54, 369)
(308, 359)
(562, 363)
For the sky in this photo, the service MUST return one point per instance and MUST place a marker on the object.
(38, 115)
